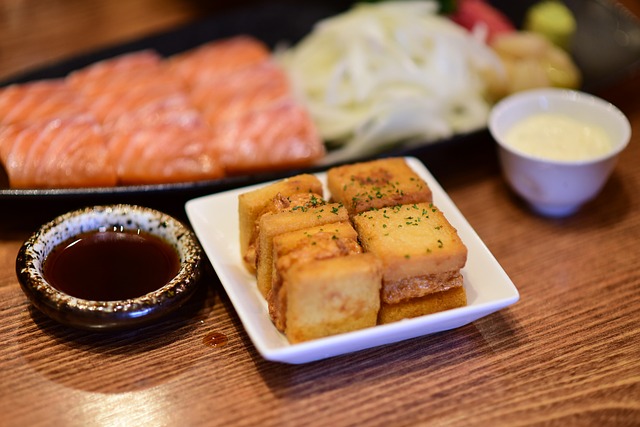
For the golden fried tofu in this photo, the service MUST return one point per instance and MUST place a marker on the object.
(412, 240)
(273, 197)
(332, 296)
(395, 291)
(428, 304)
(302, 246)
(420, 250)
(376, 184)
(289, 220)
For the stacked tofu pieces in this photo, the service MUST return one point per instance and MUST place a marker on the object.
(376, 252)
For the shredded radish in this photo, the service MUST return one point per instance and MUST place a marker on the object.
(391, 72)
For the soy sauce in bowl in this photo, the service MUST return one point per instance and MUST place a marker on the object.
(111, 265)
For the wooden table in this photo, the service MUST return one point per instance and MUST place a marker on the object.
(568, 353)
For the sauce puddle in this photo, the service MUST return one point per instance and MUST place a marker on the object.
(215, 339)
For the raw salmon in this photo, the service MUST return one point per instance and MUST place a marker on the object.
(236, 106)
(141, 119)
(248, 80)
(282, 136)
(122, 85)
(249, 90)
(40, 100)
(120, 73)
(109, 107)
(174, 109)
(62, 153)
(164, 152)
(218, 58)
(155, 135)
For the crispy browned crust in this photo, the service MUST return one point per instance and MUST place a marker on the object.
(418, 286)
(380, 252)
(282, 222)
(304, 246)
(332, 296)
(412, 240)
(429, 304)
(253, 204)
(376, 184)
(279, 203)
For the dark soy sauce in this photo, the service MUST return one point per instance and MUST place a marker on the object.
(111, 265)
(215, 339)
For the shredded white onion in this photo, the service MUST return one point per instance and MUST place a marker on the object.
(391, 72)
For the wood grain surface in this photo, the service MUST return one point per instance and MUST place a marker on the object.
(568, 353)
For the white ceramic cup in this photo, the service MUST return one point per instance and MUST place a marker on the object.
(557, 188)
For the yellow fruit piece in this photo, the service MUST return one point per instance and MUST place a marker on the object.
(553, 20)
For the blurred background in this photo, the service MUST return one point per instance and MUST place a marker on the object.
(36, 33)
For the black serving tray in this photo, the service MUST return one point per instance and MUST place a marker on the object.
(600, 23)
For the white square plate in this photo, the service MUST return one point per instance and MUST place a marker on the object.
(215, 221)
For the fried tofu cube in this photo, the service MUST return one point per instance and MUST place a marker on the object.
(376, 184)
(332, 296)
(412, 240)
(422, 256)
(253, 204)
(395, 291)
(303, 246)
(282, 222)
(428, 304)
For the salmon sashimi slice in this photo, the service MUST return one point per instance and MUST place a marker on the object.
(40, 100)
(125, 84)
(62, 153)
(247, 91)
(120, 73)
(218, 58)
(109, 107)
(138, 118)
(222, 110)
(282, 136)
(248, 80)
(165, 153)
(175, 109)
(125, 63)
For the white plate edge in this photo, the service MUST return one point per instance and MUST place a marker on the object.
(304, 352)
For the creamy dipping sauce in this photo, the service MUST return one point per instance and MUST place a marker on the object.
(558, 137)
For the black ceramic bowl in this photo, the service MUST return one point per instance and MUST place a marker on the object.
(108, 315)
